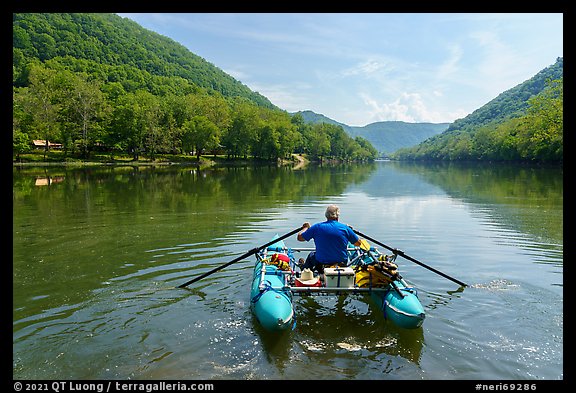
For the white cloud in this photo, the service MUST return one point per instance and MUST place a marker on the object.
(365, 68)
(450, 66)
(408, 107)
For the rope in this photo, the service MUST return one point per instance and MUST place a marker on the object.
(267, 287)
(384, 303)
(410, 289)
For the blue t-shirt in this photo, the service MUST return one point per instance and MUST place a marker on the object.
(331, 238)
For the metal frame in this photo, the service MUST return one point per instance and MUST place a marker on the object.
(325, 290)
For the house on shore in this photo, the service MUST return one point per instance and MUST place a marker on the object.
(41, 144)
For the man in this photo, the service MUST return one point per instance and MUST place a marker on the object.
(331, 239)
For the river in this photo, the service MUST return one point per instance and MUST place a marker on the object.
(98, 254)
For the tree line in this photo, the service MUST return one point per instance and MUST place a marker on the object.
(85, 113)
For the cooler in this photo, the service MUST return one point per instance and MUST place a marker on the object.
(339, 277)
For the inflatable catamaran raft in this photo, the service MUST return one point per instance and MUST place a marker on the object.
(278, 278)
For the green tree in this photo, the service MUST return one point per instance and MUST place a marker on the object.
(20, 120)
(200, 134)
(370, 151)
(267, 144)
(43, 103)
(240, 137)
(338, 141)
(460, 148)
(128, 125)
(289, 138)
(317, 141)
(88, 106)
(150, 115)
(174, 112)
(20, 143)
(212, 106)
(545, 123)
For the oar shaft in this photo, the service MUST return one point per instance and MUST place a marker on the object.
(200, 277)
(246, 255)
(432, 269)
(401, 253)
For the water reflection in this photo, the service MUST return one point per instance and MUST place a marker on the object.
(134, 189)
(106, 224)
(526, 199)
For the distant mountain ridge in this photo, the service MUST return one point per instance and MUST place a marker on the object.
(385, 136)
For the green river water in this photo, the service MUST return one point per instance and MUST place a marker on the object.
(98, 254)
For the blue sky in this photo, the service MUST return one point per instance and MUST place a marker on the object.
(362, 68)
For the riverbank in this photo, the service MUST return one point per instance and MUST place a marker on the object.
(57, 158)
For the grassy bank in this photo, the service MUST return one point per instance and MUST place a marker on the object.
(56, 157)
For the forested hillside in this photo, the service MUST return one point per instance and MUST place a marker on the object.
(119, 50)
(523, 123)
(101, 82)
(315, 118)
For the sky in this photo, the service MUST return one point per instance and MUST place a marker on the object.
(361, 68)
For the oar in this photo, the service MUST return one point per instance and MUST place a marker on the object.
(401, 253)
(246, 255)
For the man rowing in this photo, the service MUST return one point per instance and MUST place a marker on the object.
(331, 239)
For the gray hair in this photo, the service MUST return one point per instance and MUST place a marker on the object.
(332, 212)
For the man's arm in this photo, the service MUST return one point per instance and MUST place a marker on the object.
(305, 226)
(352, 233)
